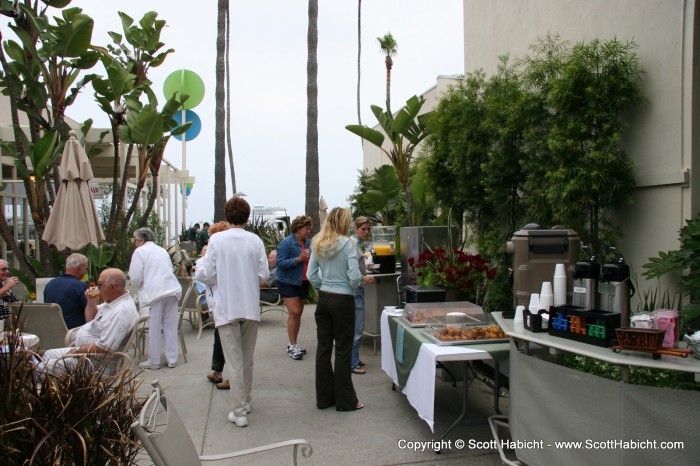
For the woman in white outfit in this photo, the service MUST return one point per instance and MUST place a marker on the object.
(236, 264)
(151, 271)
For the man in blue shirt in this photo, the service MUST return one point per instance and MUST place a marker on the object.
(68, 291)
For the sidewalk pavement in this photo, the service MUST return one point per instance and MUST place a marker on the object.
(283, 407)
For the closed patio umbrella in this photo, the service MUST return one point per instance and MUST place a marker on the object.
(322, 210)
(73, 222)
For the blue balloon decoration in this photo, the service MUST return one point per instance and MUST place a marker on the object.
(188, 189)
(193, 131)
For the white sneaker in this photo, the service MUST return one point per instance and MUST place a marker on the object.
(295, 353)
(247, 408)
(240, 421)
(149, 366)
(171, 365)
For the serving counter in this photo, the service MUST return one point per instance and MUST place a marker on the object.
(604, 421)
(377, 295)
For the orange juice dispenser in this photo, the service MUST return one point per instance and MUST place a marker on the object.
(384, 248)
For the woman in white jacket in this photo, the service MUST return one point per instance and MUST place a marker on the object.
(236, 264)
(151, 271)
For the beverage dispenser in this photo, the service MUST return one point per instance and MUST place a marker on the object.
(536, 251)
(384, 248)
(616, 288)
(586, 275)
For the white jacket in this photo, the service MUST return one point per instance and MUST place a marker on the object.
(234, 265)
(151, 271)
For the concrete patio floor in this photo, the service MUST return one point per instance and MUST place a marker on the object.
(283, 407)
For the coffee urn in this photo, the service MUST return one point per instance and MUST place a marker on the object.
(586, 275)
(616, 288)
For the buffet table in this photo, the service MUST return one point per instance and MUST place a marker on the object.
(418, 381)
(564, 416)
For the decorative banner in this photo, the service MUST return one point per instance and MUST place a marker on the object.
(193, 130)
(188, 189)
(185, 82)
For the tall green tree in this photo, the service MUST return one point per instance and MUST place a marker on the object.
(41, 80)
(581, 174)
(220, 112)
(458, 146)
(389, 47)
(127, 62)
(312, 179)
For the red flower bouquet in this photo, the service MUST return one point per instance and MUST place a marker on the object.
(453, 268)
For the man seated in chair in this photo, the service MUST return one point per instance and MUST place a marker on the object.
(270, 296)
(114, 320)
(68, 291)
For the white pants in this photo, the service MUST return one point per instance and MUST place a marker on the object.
(238, 340)
(53, 362)
(164, 317)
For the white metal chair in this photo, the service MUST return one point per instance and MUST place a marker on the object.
(278, 305)
(40, 285)
(200, 312)
(167, 442)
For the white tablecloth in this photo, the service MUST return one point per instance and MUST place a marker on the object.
(420, 385)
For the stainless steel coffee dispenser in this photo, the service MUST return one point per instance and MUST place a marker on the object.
(616, 288)
(586, 276)
(536, 251)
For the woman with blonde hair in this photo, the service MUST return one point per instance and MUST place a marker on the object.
(334, 271)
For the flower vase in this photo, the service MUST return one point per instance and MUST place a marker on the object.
(454, 294)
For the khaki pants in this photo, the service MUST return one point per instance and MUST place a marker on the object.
(238, 340)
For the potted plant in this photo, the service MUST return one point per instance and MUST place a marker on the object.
(463, 276)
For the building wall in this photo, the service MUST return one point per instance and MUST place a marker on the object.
(660, 140)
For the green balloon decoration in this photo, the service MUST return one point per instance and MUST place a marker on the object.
(185, 82)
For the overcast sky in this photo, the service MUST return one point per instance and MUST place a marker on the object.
(268, 84)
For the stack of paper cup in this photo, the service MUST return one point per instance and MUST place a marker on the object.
(519, 314)
(534, 305)
(546, 296)
(559, 285)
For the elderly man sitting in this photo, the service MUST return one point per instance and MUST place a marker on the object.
(113, 322)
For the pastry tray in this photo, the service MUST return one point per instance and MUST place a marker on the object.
(430, 334)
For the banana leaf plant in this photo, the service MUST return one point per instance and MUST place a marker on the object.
(404, 132)
(40, 75)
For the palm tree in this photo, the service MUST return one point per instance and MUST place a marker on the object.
(359, 54)
(220, 127)
(389, 47)
(312, 183)
(229, 145)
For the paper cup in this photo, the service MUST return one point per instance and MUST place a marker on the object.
(519, 314)
(546, 289)
(559, 291)
(546, 300)
(559, 270)
(534, 305)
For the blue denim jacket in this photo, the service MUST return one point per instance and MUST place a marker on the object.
(288, 269)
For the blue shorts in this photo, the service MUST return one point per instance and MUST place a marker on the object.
(294, 291)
